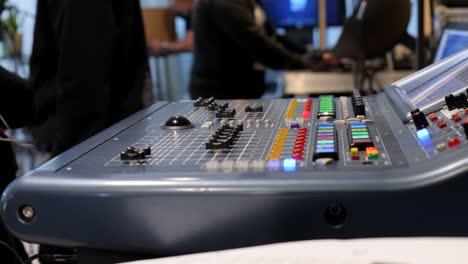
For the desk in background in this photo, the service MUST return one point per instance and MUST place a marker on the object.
(305, 83)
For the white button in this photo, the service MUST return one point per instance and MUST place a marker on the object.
(325, 119)
(249, 121)
(227, 165)
(349, 120)
(231, 123)
(441, 147)
(240, 122)
(258, 122)
(242, 165)
(339, 122)
(207, 125)
(257, 165)
(212, 165)
(324, 162)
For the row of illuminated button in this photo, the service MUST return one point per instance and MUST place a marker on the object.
(358, 134)
(371, 153)
(286, 165)
(278, 145)
(307, 109)
(291, 109)
(326, 106)
(325, 142)
(300, 144)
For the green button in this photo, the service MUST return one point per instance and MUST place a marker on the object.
(359, 130)
(360, 133)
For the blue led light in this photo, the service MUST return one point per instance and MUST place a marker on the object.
(423, 133)
(289, 165)
(424, 136)
(325, 150)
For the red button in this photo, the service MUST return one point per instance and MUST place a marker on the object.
(297, 156)
(300, 143)
(456, 117)
(433, 117)
(453, 142)
(355, 157)
(442, 124)
(299, 147)
(301, 138)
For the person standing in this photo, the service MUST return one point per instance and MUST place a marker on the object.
(182, 9)
(88, 67)
(16, 110)
(233, 42)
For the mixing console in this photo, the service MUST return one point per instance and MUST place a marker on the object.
(259, 134)
(211, 174)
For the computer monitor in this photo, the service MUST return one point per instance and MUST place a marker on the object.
(452, 41)
(302, 13)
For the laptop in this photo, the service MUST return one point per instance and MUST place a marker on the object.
(452, 41)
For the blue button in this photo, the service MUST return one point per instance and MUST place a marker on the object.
(289, 165)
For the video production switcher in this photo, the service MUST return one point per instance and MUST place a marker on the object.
(209, 174)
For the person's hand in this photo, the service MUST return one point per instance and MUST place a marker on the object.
(158, 47)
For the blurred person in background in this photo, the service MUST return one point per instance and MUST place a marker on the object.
(88, 67)
(182, 9)
(16, 110)
(233, 41)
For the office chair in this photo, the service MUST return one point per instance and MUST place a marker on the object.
(375, 27)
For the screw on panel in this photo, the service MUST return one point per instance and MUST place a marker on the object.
(26, 213)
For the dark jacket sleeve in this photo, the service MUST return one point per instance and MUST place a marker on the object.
(84, 32)
(236, 20)
(16, 100)
(288, 44)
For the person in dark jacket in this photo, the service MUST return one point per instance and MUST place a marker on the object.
(232, 42)
(16, 110)
(88, 67)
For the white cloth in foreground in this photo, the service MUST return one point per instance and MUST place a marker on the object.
(359, 251)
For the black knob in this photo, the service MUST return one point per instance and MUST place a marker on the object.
(414, 111)
(135, 154)
(465, 127)
(226, 113)
(419, 120)
(461, 101)
(450, 102)
(177, 123)
(147, 150)
(257, 109)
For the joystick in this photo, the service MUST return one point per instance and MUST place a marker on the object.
(177, 123)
